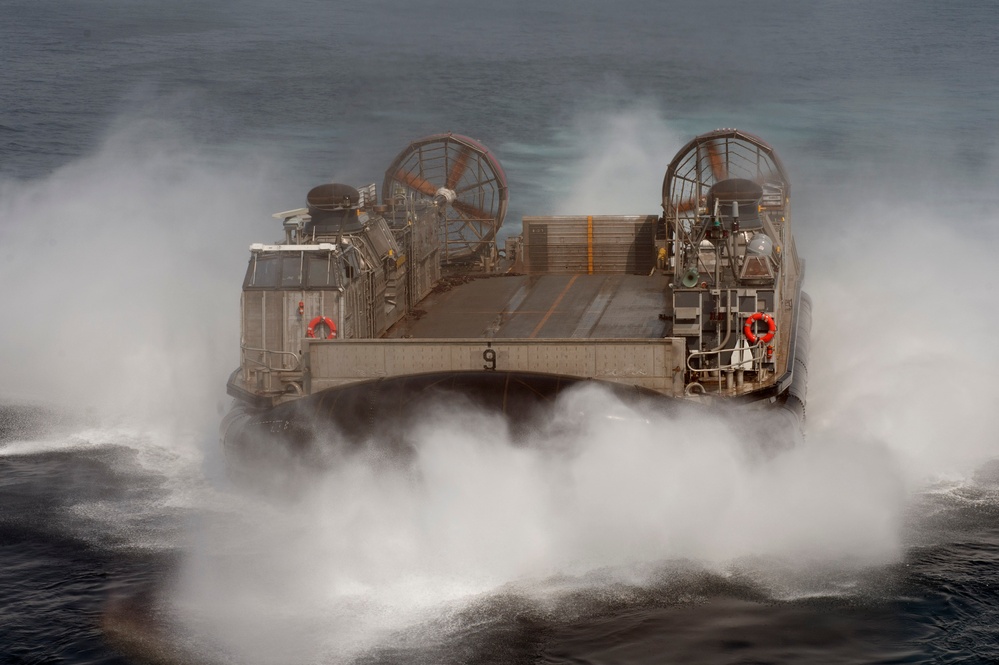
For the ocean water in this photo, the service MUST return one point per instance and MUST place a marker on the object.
(143, 145)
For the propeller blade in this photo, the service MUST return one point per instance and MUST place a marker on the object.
(414, 181)
(469, 211)
(686, 206)
(459, 167)
(717, 163)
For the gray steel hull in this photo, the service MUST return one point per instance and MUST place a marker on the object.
(315, 431)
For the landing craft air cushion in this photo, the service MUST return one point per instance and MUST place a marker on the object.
(368, 312)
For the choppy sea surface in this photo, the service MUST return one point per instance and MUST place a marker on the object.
(143, 145)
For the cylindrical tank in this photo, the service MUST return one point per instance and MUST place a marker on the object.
(333, 208)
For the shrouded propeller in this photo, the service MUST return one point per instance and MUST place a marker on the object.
(465, 181)
(710, 163)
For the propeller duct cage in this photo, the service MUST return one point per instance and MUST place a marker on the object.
(464, 180)
(728, 178)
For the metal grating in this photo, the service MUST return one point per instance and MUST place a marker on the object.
(590, 245)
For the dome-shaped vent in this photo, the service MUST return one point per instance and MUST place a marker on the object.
(746, 194)
(333, 208)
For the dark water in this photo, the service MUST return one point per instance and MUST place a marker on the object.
(143, 146)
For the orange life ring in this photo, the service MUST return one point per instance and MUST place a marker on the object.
(311, 330)
(747, 330)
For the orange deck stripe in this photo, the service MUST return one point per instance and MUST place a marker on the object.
(589, 243)
(548, 314)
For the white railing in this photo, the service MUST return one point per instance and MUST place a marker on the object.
(733, 373)
(752, 363)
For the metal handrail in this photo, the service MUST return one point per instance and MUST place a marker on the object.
(267, 364)
(757, 360)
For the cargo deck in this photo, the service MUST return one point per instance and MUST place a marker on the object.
(543, 307)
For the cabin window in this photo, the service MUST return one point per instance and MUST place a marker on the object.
(263, 272)
(319, 273)
(291, 271)
(250, 272)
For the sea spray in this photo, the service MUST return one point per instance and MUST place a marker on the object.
(120, 271)
(374, 546)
